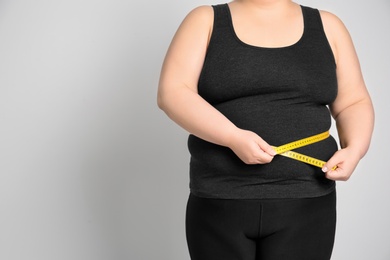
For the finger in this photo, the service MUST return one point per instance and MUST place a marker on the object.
(331, 164)
(265, 158)
(271, 151)
(332, 175)
(266, 148)
(329, 167)
(337, 175)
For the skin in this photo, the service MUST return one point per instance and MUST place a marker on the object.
(277, 23)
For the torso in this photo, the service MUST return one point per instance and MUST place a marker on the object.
(277, 89)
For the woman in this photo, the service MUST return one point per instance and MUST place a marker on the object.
(244, 78)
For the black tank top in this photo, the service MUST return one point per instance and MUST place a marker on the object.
(279, 93)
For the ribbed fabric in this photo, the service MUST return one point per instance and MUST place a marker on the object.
(279, 93)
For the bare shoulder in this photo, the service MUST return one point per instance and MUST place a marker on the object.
(201, 15)
(337, 34)
(203, 10)
(198, 23)
(333, 25)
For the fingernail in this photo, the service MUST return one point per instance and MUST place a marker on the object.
(324, 169)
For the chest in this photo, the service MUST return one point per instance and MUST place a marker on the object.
(300, 72)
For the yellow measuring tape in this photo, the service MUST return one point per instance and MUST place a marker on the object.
(285, 150)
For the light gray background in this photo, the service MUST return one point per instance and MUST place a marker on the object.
(90, 169)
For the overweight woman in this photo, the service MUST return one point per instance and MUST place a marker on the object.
(256, 83)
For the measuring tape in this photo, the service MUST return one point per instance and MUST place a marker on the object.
(285, 150)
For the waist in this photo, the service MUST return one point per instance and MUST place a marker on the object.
(279, 125)
(222, 160)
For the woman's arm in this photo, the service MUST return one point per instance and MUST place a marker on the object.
(179, 99)
(352, 110)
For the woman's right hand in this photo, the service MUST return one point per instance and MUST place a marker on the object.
(251, 148)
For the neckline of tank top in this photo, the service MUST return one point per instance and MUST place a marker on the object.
(231, 26)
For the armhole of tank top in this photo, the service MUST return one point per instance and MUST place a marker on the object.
(327, 43)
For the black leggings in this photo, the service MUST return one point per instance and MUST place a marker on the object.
(269, 229)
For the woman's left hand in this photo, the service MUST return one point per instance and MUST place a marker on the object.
(346, 161)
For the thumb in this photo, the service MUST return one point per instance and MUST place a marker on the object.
(331, 164)
(266, 147)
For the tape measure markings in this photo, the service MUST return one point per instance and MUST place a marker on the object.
(302, 142)
(285, 150)
(303, 158)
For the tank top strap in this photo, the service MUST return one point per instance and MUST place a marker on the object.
(315, 33)
(221, 16)
(312, 19)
